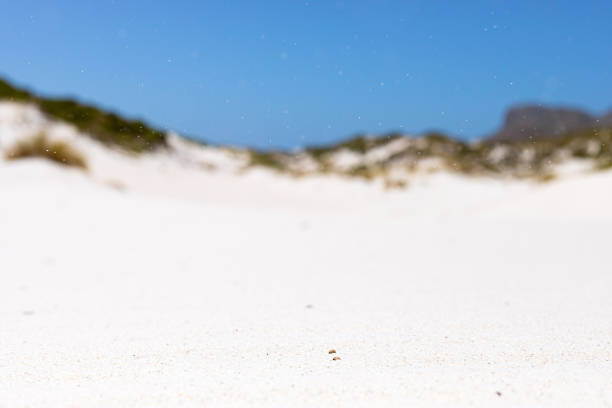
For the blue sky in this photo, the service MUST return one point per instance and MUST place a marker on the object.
(284, 73)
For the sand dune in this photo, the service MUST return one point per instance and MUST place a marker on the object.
(151, 282)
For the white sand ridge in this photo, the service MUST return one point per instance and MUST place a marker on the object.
(190, 286)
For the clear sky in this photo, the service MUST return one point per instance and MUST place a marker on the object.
(283, 73)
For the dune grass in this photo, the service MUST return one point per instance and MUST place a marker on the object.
(41, 146)
(107, 127)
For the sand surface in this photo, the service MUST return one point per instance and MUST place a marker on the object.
(230, 290)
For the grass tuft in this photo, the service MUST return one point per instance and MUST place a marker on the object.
(41, 146)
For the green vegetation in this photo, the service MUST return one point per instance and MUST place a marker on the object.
(358, 144)
(533, 158)
(363, 171)
(41, 146)
(271, 160)
(391, 184)
(605, 164)
(109, 128)
(546, 177)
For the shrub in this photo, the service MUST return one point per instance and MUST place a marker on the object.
(107, 127)
(366, 172)
(41, 146)
(358, 143)
(603, 164)
(391, 184)
(266, 159)
(546, 177)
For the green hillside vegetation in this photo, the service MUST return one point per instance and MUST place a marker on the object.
(358, 144)
(531, 157)
(109, 128)
(520, 159)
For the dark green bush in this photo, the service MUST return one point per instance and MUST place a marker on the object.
(109, 128)
(266, 159)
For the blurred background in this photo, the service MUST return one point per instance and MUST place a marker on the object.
(284, 74)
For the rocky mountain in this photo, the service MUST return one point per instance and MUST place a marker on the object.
(531, 122)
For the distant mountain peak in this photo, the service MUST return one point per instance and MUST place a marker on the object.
(531, 121)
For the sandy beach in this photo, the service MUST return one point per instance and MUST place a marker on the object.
(206, 289)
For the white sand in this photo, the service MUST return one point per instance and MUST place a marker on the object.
(195, 288)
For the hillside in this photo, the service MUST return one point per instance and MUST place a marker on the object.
(107, 127)
(520, 150)
(399, 156)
